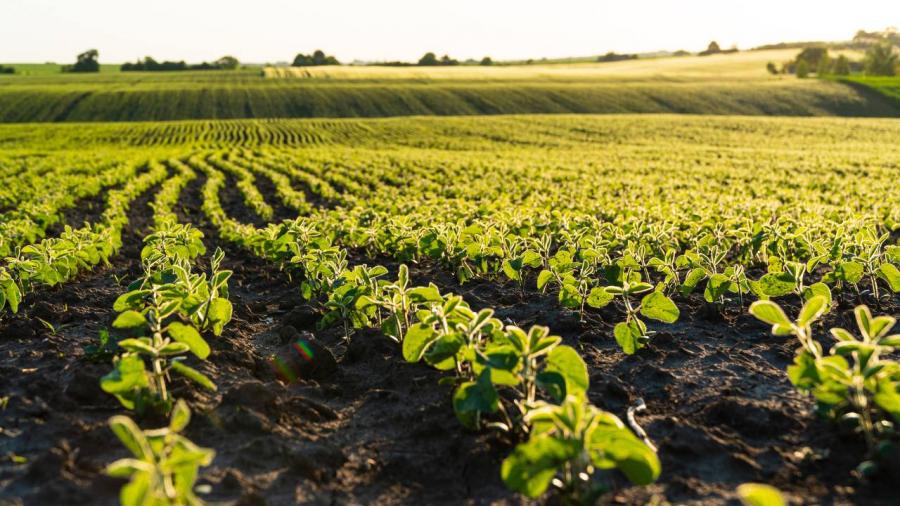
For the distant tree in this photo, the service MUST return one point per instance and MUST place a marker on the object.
(7, 70)
(825, 65)
(712, 48)
(681, 52)
(772, 68)
(881, 60)
(611, 56)
(811, 55)
(317, 58)
(486, 61)
(85, 62)
(430, 59)
(148, 64)
(841, 66)
(446, 60)
(227, 63)
(802, 69)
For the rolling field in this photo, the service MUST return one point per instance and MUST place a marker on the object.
(450, 310)
(720, 84)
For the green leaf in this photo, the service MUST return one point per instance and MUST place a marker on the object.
(424, 294)
(417, 339)
(532, 465)
(777, 284)
(756, 494)
(628, 335)
(181, 416)
(124, 468)
(769, 312)
(890, 274)
(820, 289)
(129, 373)
(659, 307)
(138, 345)
(532, 259)
(475, 397)
(511, 271)
(220, 312)
(443, 350)
(812, 310)
(567, 362)
(553, 383)
(193, 375)
(130, 300)
(130, 320)
(851, 272)
(131, 436)
(13, 297)
(137, 491)
(716, 287)
(599, 297)
(691, 280)
(543, 278)
(188, 335)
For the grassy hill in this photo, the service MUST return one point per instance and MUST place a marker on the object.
(720, 84)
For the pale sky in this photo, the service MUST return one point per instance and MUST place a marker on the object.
(275, 30)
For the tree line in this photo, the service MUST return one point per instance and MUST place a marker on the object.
(880, 60)
(149, 64)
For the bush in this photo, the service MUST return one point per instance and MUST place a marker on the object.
(7, 70)
(713, 48)
(825, 65)
(316, 59)
(802, 69)
(227, 63)
(611, 56)
(149, 64)
(812, 55)
(428, 60)
(842, 66)
(86, 62)
(881, 60)
(772, 68)
(431, 60)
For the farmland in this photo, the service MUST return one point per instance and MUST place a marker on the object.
(719, 84)
(439, 310)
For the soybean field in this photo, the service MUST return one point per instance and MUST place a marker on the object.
(504, 309)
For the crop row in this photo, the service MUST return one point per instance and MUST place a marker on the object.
(525, 384)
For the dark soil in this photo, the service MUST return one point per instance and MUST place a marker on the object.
(363, 427)
(85, 210)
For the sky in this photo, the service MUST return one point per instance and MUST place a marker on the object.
(261, 31)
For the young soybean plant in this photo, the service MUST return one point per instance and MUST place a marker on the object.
(853, 384)
(165, 463)
(632, 334)
(147, 314)
(567, 443)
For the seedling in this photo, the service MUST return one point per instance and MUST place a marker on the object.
(852, 384)
(165, 464)
(567, 443)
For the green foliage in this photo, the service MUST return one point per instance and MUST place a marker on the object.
(853, 384)
(757, 494)
(737, 85)
(316, 59)
(163, 315)
(164, 465)
(86, 62)
(881, 60)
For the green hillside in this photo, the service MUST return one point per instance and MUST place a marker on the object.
(722, 84)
